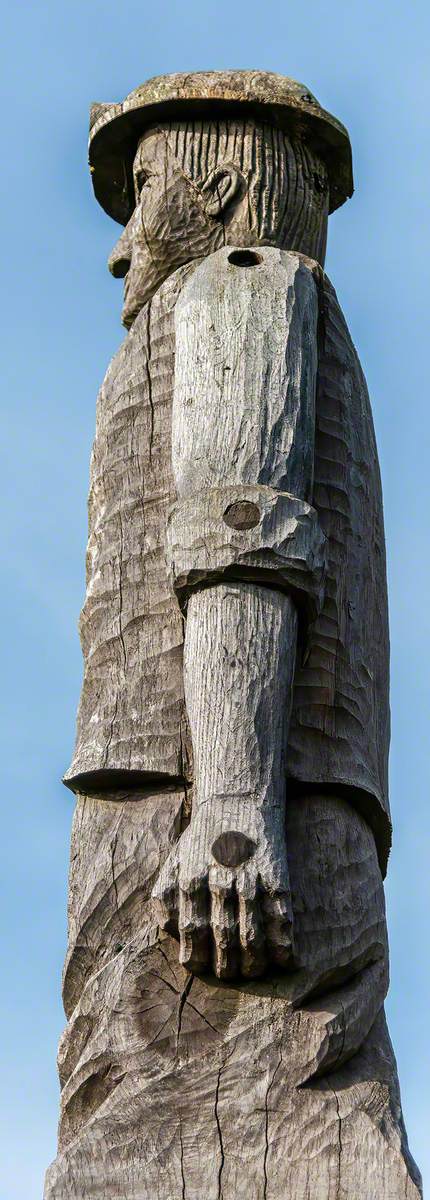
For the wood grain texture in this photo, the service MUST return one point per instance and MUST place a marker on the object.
(131, 715)
(177, 1085)
(210, 536)
(117, 847)
(245, 374)
(243, 412)
(277, 194)
(279, 102)
(239, 664)
(339, 731)
(231, 753)
(340, 726)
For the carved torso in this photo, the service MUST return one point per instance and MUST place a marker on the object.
(132, 716)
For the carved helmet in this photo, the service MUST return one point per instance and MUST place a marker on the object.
(116, 128)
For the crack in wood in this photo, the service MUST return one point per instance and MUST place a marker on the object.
(266, 1127)
(182, 1160)
(113, 851)
(339, 1167)
(218, 1125)
(120, 596)
(149, 381)
(182, 999)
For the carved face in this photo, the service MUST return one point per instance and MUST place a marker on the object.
(201, 186)
(171, 224)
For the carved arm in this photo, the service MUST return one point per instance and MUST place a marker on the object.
(246, 556)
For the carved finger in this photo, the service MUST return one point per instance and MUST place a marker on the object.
(253, 959)
(195, 951)
(278, 924)
(225, 931)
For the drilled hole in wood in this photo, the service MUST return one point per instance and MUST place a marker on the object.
(244, 258)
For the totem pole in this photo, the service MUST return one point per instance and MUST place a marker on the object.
(227, 964)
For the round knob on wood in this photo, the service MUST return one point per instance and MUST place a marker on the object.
(233, 848)
(242, 514)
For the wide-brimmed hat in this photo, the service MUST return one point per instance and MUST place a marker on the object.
(116, 128)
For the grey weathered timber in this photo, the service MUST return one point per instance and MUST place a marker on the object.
(227, 962)
(243, 412)
(340, 718)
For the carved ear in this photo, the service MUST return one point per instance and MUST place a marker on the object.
(223, 186)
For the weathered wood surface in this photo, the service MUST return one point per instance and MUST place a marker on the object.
(243, 412)
(246, 360)
(227, 164)
(131, 715)
(177, 1085)
(132, 634)
(247, 532)
(234, 465)
(240, 652)
(273, 103)
(244, 416)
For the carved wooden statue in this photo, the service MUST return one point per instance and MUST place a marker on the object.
(227, 963)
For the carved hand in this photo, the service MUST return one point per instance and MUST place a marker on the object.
(225, 889)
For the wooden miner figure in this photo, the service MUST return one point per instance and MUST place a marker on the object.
(227, 964)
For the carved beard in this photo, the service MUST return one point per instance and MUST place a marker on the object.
(169, 228)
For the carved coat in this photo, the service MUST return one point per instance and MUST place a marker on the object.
(132, 720)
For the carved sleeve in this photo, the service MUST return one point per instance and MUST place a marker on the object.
(243, 429)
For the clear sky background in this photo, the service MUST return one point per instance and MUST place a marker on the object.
(368, 62)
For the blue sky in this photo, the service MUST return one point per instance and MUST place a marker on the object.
(368, 63)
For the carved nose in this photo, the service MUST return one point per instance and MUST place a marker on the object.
(118, 265)
(120, 257)
(233, 848)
